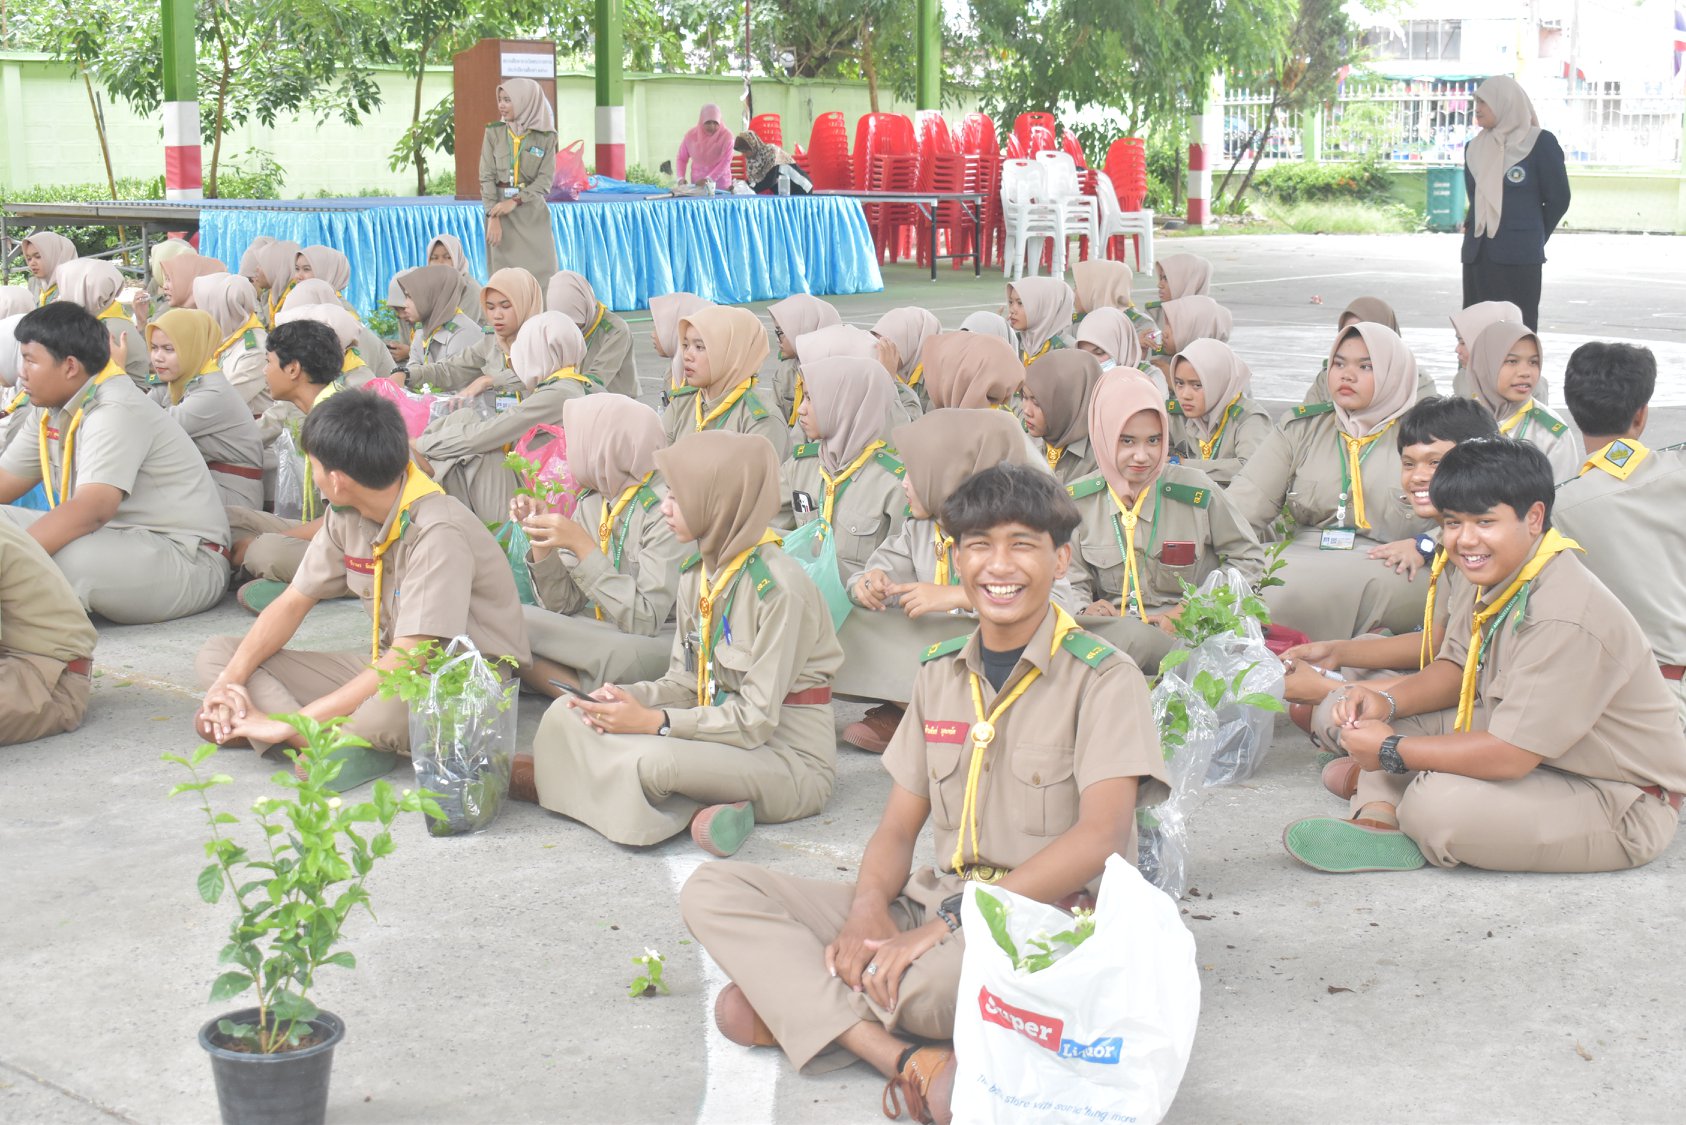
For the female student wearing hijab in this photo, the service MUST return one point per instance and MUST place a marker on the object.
(1183, 275)
(181, 271)
(839, 341)
(1055, 410)
(324, 263)
(510, 298)
(370, 349)
(608, 341)
(721, 349)
(666, 309)
(464, 450)
(232, 302)
(274, 279)
(1337, 468)
(1215, 426)
(1100, 283)
(1518, 192)
(1148, 526)
(1112, 338)
(517, 165)
(15, 300)
(740, 729)
(1467, 326)
(901, 344)
(990, 324)
(43, 253)
(705, 152)
(845, 471)
(1182, 320)
(183, 345)
(793, 317)
(1505, 363)
(1039, 310)
(1371, 310)
(434, 299)
(967, 371)
(94, 284)
(606, 576)
(248, 266)
(446, 250)
(765, 165)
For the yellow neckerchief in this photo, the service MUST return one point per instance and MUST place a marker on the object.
(1053, 453)
(918, 374)
(708, 597)
(606, 526)
(1208, 447)
(983, 733)
(602, 310)
(946, 575)
(1030, 359)
(515, 140)
(1352, 461)
(1551, 545)
(796, 403)
(275, 303)
(1435, 569)
(416, 485)
(1129, 516)
(834, 484)
(113, 311)
(47, 294)
(17, 404)
(307, 505)
(86, 396)
(725, 407)
(1523, 409)
(441, 328)
(1619, 458)
(233, 337)
(353, 360)
(563, 373)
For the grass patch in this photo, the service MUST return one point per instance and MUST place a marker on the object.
(1342, 217)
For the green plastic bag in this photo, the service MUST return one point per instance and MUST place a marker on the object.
(514, 542)
(814, 548)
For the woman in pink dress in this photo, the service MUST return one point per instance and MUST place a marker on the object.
(707, 149)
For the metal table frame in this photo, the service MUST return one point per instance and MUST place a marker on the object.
(154, 219)
(970, 203)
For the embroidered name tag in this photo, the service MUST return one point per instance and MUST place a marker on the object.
(359, 566)
(534, 150)
(937, 731)
(52, 434)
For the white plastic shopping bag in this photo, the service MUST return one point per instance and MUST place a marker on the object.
(1101, 1034)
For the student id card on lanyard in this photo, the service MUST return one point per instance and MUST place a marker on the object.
(1343, 536)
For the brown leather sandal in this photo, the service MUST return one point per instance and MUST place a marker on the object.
(924, 1088)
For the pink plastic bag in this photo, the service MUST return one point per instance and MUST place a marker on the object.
(547, 446)
(416, 408)
(570, 174)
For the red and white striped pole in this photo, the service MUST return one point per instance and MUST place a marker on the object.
(183, 176)
(1199, 181)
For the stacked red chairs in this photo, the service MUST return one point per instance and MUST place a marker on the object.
(1015, 149)
(1126, 166)
(1039, 140)
(887, 134)
(1026, 122)
(828, 162)
(886, 159)
(977, 135)
(767, 127)
(1073, 148)
(978, 138)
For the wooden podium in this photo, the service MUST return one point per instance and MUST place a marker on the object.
(478, 71)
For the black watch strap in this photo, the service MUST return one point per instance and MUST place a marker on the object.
(1389, 755)
(949, 911)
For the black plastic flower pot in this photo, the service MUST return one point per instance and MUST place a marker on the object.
(287, 1088)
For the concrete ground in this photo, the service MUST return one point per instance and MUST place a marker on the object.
(492, 986)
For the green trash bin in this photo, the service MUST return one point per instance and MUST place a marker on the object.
(1447, 202)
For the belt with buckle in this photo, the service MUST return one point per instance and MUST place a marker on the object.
(235, 470)
(218, 548)
(813, 697)
(1662, 794)
(82, 666)
(1672, 671)
(983, 873)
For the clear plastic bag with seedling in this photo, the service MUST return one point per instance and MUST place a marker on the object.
(1188, 736)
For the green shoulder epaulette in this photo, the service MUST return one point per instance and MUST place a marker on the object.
(805, 450)
(1309, 410)
(449, 325)
(907, 510)
(1087, 647)
(1234, 411)
(1547, 419)
(1088, 486)
(250, 339)
(760, 575)
(944, 648)
(1172, 406)
(486, 330)
(1187, 494)
(690, 562)
(753, 405)
(647, 497)
(680, 392)
(886, 459)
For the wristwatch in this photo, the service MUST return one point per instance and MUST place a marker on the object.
(949, 911)
(1426, 546)
(666, 728)
(1389, 754)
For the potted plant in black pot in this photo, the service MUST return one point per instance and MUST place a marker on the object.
(293, 887)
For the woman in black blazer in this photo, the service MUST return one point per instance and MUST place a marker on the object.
(1518, 190)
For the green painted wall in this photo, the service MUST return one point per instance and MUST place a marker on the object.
(1605, 199)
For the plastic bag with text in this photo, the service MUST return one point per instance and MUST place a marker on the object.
(814, 548)
(462, 739)
(1188, 734)
(1102, 1034)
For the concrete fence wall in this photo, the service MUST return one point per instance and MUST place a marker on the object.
(1607, 199)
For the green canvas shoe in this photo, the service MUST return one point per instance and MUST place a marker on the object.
(721, 829)
(254, 596)
(1327, 843)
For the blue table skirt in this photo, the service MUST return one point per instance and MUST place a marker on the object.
(729, 249)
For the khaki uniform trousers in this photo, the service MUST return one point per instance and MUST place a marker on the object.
(595, 650)
(1678, 690)
(1546, 820)
(1336, 595)
(292, 678)
(270, 554)
(39, 696)
(768, 932)
(132, 576)
(641, 789)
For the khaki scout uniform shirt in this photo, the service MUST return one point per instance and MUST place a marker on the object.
(749, 415)
(1186, 507)
(1552, 436)
(527, 242)
(781, 387)
(242, 365)
(1635, 540)
(1086, 718)
(1576, 682)
(445, 576)
(465, 433)
(608, 356)
(482, 357)
(126, 442)
(449, 340)
(781, 642)
(225, 433)
(1301, 464)
(633, 583)
(373, 350)
(869, 508)
(1247, 428)
(39, 612)
(1073, 463)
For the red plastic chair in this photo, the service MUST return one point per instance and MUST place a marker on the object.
(977, 135)
(1039, 140)
(876, 134)
(828, 163)
(1073, 148)
(740, 169)
(1126, 166)
(1028, 121)
(767, 127)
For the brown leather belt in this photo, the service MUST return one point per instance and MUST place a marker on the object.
(235, 470)
(218, 548)
(1662, 794)
(82, 666)
(1672, 671)
(813, 697)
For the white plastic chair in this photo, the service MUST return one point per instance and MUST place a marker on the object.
(1025, 215)
(1136, 224)
(1075, 213)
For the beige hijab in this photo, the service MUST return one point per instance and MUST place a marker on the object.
(345, 326)
(11, 352)
(666, 311)
(1111, 331)
(55, 250)
(968, 370)
(92, 283)
(1395, 371)
(437, 291)
(249, 258)
(1495, 151)
(736, 345)
(907, 329)
(276, 261)
(726, 486)
(990, 324)
(310, 292)
(453, 247)
(15, 300)
(1062, 384)
(328, 264)
(522, 290)
(546, 343)
(230, 298)
(840, 341)
(800, 314)
(851, 398)
(944, 448)
(195, 336)
(175, 247)
(1223, 376)
(1196, 318)
(1470, 323)
(1120, 396)
(571, 295)
(1047, 308)
(1374, 310)
(182, 270)
(1101, 284)
(1186, 275)
(1487, 356)
(532, 111)
(612, 441)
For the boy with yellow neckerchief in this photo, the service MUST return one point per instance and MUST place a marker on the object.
(1541, 738)
(425, 568)
(1627, 494)
(135, 522)
(830, 972)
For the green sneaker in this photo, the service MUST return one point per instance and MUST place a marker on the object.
(254, 597)
(359, 765)
(1327, 843)
(721, 829)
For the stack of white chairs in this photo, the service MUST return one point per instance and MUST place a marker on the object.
(1026, 215)
(1076, 214)
(1130, 224)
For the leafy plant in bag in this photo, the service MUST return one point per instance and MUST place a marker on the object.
(546, 493)
(1188, 737)
(1045, 948)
